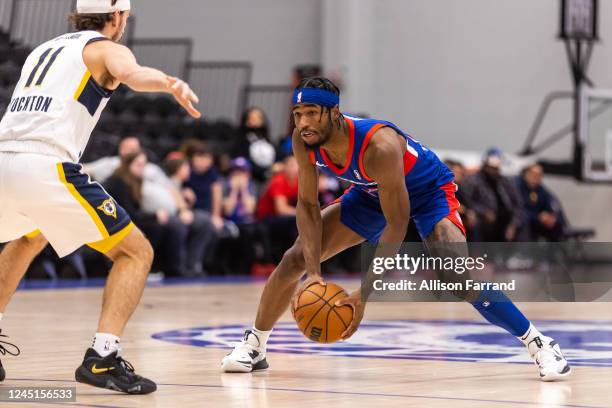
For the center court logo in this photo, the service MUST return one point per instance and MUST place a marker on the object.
(584, 343)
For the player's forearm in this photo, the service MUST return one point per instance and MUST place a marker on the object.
(145, 79)
(310, 228)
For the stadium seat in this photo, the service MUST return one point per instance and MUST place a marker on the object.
(9, 73)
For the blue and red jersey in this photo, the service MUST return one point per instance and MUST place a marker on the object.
(423, 170)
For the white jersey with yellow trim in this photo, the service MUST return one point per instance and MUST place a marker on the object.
(56, 103)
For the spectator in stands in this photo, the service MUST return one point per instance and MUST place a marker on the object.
(176, 167)
(280, 196)
(205, 182)
(544, 215)
(495, 200)
(239, 196)
(254, 143)
(239, 202)
(190, 233)
(125, 186)
(276, 208)
(103, 168)
(468, 215)
(181, 237)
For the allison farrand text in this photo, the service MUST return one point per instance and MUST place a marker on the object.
(438, 285)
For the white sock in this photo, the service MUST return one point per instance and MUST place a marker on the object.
(105, 344)
(529, 336)
(261, 340)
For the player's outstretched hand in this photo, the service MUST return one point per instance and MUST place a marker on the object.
(184, 96)
(309, 281)
(354, 301)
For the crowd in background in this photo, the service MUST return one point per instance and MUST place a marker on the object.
(232, 211)
(204, 211)
(497, 208)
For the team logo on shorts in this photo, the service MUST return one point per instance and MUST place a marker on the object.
(109, 208)
(584, 343)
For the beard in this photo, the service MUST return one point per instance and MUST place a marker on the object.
(324, 137)
(317, 145)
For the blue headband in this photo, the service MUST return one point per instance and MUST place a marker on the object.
(316, 97)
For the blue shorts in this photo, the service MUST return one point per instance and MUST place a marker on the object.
(361, 212)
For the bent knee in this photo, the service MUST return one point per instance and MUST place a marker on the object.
(294, 261)
(134, 246)
(33, 244)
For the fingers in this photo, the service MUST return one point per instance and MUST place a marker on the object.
(185, 91)
(193, 97)
(314, 279)
(357, 316)
(188, 106)
(344, 301)
(352, 328)
(185, 97)
(349, 331)
(193, 111)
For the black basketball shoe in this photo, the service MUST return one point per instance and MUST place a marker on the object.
(112, 372)
(4, 351)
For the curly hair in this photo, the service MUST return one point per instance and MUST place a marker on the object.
(95, 22)
(319, 83)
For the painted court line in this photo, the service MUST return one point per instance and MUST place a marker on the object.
(72, 404)
(346, 393)
(375, 394)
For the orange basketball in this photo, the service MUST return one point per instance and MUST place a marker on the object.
(316, 315)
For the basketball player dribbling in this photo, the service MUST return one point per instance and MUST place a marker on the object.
(44, 195)
(393, 178)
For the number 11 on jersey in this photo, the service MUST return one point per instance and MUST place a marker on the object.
(41, 61)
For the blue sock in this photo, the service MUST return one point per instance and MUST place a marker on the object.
(498, 309)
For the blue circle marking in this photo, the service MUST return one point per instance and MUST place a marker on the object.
(584, 343)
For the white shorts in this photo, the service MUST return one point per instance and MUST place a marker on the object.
(39, 193)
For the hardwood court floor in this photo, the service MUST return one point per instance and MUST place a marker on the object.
(54, 327)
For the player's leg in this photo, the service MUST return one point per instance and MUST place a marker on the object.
(280, 287)
(102, 366)
(15, 259)
(132, 259)
(71, 211)
(447, 238)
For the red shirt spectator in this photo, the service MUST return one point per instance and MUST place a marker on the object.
(281, 194)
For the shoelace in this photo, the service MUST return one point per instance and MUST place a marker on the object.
(126, 365)
(244, 340)
(4, 351)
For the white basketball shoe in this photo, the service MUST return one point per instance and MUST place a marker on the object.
(247, 356)
(547, 355)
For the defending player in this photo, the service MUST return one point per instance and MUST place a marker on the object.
(384, 165)
(44, 195)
